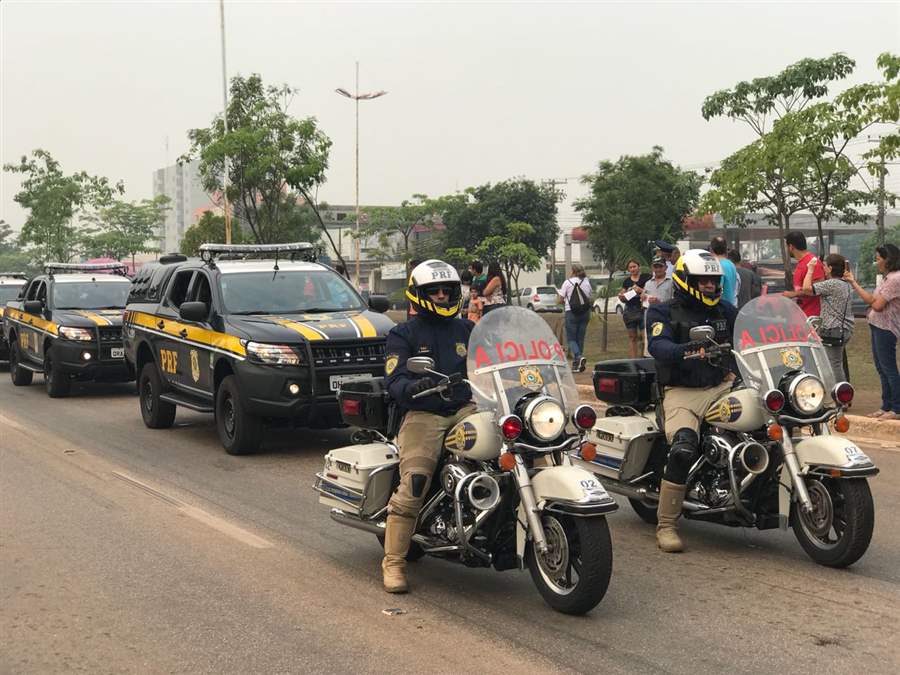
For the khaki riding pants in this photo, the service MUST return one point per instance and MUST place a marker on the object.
(685, 407)
(420, 440)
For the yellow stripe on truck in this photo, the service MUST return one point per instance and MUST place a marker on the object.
(210, 338)
(368, 330)
(32, 321)
(96, 318)
(306, 331)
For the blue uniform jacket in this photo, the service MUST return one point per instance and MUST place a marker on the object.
(445, 341)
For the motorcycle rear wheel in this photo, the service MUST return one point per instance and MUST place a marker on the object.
(838, 531)
(574, 574)
(645, 513)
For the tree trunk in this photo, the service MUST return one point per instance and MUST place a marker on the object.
(821, 237)
(604, 339)
(784, 226)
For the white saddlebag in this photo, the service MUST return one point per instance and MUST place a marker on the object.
(623, 446)
(358, 478)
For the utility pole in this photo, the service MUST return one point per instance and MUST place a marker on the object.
(225, 120)
(879, 223)
(552, 183)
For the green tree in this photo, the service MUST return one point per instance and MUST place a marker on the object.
(632, 201)
(485, 211)
(389, 223)
(124, 229)
(12, 257)
(268, 153)
(210, 229)
(771, 164)
(512, 253)
(865, 265)
(54, 201)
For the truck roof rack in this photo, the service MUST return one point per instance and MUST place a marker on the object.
(302, 250)
(14, 275)
(74, 268)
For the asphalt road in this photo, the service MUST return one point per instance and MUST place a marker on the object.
(124, 549)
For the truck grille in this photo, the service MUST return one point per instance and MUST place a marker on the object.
(332, 354)
(110, 334)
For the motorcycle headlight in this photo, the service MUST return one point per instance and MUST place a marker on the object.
(807, 394)
(279, 355)
(80, 334)
(545, 418)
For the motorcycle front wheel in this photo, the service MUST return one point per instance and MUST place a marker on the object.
(573, 575)
(838, 530)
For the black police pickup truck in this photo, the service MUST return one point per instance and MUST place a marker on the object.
(11, 284)
(253, 334)
(67, 324)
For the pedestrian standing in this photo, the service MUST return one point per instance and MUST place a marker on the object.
(659, 288)
(796, 248)
(884, 325)
(730, 280)
(576, 293)
(837, 319)
(494, 292)
(745, 279)
(633, 311)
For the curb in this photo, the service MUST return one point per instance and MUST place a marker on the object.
(862, 428)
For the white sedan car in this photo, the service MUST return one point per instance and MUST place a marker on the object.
(616, 306)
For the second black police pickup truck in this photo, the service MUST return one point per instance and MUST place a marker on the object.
(11, 284)
(67, 324)
(250, 340)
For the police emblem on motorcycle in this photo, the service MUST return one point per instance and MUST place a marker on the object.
(728, 410)
(462, 437)
(530, 378)
(461, 349)
(195, 365)
(791, 358)
(391, 364)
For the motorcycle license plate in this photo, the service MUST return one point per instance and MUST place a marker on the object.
(117, 353)
(335, 381)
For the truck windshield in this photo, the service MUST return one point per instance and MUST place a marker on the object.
(287, 292)
(90, 294)
(8, 293)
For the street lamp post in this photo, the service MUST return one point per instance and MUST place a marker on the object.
(357, 97)
(225, 120)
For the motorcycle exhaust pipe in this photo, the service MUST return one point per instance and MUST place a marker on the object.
(345, 518)
(754, 457)
(483, 492)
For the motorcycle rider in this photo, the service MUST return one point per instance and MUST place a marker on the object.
(434, 331)
(693, 385)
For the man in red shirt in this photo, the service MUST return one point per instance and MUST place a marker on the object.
(796, 246)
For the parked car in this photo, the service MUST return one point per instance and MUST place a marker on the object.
(615, 306)
(540, 299)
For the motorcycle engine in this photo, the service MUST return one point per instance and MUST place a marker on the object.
(440, 524)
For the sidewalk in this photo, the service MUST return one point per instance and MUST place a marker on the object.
(861, 428)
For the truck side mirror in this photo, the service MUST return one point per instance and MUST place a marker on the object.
(33, 306)
(379, 303)
(193, 311)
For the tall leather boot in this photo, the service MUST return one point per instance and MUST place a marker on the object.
(671, 497)
(397, 536)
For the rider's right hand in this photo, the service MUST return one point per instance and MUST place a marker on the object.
(418, 386)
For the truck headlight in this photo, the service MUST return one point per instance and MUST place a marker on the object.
(80, 334)
(279, 355)
(807, 394)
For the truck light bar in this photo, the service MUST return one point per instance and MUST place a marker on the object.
(302, 249)
(51, 268)
(13, 275)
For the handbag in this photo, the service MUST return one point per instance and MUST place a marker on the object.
(632, 314)
(837, 336)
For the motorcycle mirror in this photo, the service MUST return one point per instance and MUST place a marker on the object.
(419, 365)
(702, 333)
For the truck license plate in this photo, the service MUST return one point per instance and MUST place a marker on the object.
(117, 353)
(335, 381)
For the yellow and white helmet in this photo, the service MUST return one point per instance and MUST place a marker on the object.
(691, 266)
(425, 279)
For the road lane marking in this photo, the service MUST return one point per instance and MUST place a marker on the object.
(221, 525)
(10, 423)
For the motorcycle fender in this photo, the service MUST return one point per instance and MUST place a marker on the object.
(565, 489)
(830, 455)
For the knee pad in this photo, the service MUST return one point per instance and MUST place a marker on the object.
(417, 483)
(684, 452)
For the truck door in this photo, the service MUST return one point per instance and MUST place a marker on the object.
(170, 348)
(196, 373)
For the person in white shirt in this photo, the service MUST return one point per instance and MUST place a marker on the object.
(577, 314)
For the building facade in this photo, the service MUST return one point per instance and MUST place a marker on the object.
(182, 185)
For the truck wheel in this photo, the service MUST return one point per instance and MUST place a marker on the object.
(239, 431)
(21, 377)
(157, 414)
(56, 381)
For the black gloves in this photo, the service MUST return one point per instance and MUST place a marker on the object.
(419, 386)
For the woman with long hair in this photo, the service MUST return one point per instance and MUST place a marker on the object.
(837, 319)
(884, 325)
(494, 292)
(633, 311)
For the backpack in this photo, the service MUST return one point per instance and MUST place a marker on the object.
(578, 301)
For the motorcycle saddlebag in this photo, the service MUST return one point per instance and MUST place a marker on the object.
(358, 479)
(623, 446)
(626, 382)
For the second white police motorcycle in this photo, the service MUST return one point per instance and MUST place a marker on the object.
(505, 493)
(769, 457)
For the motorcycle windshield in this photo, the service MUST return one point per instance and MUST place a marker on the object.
(772, 337)
(513, 353)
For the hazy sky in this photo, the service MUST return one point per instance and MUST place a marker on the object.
(477, 91)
